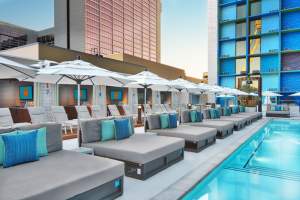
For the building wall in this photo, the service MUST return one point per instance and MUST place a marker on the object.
(259, 37)
(110, 26)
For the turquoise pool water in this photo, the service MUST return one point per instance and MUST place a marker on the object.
(266, 167)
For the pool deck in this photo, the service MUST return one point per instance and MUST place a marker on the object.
(176, 180)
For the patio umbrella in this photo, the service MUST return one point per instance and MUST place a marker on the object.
(269, 94)
(147, 79)
(80, 73)
(44, 63)
(253, 94)
(295, 94)
(10, 69)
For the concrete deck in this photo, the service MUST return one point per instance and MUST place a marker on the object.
(175, 181)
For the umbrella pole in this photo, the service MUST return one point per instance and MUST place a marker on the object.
(145, 109)
(78, 94)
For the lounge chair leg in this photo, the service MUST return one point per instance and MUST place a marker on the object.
(71, 128)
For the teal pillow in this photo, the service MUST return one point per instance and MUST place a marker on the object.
(164, 121)
(217, 113)
(130, 127)
(122, 129)
(2, 149)
(41, 141)
(107, 130)
(212, 113)
(193, 116)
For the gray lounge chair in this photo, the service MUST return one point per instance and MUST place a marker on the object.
(38, 115)
(239, 121)
(83, 112)
(147, 108)
(144, 154)
(114, 111)
(128, 112)
(59, 115)
(6, 120)
(99, 111)
(224, 128)
(62, 174)
(196, 138)
(157, 108)
(169, 109)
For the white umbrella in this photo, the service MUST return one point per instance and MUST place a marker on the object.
(10, 69)
(146, 79)
(44, 63)
(182, 84)
(80, 73)
(270, 94)
(253, 94)
(295, 94)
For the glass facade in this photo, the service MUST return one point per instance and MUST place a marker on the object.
(123, 26)
(260, 39)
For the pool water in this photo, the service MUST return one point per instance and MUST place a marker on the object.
(266, 167)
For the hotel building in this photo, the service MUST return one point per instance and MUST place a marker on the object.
(257, 40)
(106, 27)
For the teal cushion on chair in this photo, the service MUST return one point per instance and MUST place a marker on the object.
(212, 113)
(164, 121)
(193, 116)
(107, 130)
(41, 140)
(199, 116)
(217, 113)
(2, 149)
(20, 148)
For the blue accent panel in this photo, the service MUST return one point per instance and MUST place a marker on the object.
(269, 6)
(270, 82)
(290, 82)
(227, 67)
(270, 24)
(228, 31)
(228, 49)
(291, 41)
(173, 120)
(228, 13)
(291, 20)
(270, 63)
(290, 4)
(227, 82)
(270, 43)
(227, 1)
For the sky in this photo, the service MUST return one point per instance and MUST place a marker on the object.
(183, 28)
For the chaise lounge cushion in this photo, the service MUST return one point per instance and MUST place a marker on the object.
(218, 124)
(139, 148)
(189, 133)
(153, 121)
(61, 175)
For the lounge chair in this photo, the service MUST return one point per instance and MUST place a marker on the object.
(6, 120)
(144, 154)
(83, 112)
(239, 121)
(98, 111)
(196, 138)
(38, 115)
(224, 128)
(252, 116)
(157, 108)
(278, 111)
(62, 174)
(169, 109)
(59, 115)
(113, 110)
(128, 112)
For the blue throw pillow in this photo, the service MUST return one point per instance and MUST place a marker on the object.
(199, 116)
(212, 114)
(20, 148)
(217, 113)
(41, 140)
(173, 120)
(2, 149)
(122, 129)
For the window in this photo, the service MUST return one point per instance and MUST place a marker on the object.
(255, 46)
(241, 29)
(255, 8)
(255, 27)
(254, 64)
(240, 66)
(241, 11)
(240, 48)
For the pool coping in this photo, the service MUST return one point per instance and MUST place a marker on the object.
(190, 180)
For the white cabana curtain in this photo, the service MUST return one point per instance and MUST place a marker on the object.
(46, 95)
(156, 97)
(133, 99)
(99, 96)
(175, 99)
(184, 98)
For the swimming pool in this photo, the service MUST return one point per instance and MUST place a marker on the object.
(266, 167)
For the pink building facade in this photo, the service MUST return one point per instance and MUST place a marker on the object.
(123, 26)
